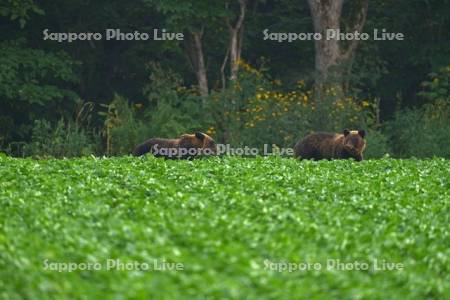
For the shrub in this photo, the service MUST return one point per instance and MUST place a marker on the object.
(425, 131)
(255, 110)
(437, 88)
(378, 145)
(421, 132)
(172, 109)
(121, 129)
(59, 140)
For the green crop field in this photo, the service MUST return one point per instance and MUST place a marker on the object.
(224, 228)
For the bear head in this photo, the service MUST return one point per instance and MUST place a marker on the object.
(199, 141)
(354, 143)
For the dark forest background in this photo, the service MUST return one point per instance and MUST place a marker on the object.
(103, 97)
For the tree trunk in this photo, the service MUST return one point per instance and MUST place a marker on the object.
(236, 34)
(194, 50)
(326, 15)
(234, 50)
(332, 60)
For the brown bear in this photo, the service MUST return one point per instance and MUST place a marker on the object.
(186, 146)
(323, 145)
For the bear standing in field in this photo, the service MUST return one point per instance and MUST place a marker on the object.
(323, 145)
(186, 146)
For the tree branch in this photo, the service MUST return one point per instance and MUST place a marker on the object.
(358, 25)
(222, 68)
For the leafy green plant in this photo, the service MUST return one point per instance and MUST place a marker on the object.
(378, 145)
(122, 130)
(437, 88)
(19, 10)
(59, 140)
(33, 77)
(223, 219)
(172, 109)
(421, 132)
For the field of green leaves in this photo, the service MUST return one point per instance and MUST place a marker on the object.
(224, 228)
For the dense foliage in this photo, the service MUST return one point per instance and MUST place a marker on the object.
(223, 219)
(137, 89)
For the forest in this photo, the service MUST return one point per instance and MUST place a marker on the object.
(84, 77)
(336, 184)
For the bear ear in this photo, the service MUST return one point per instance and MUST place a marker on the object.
(346, 132)
(362, 133)
(200, 135)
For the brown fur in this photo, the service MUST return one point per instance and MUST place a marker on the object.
(323, 145)
(186, 146)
